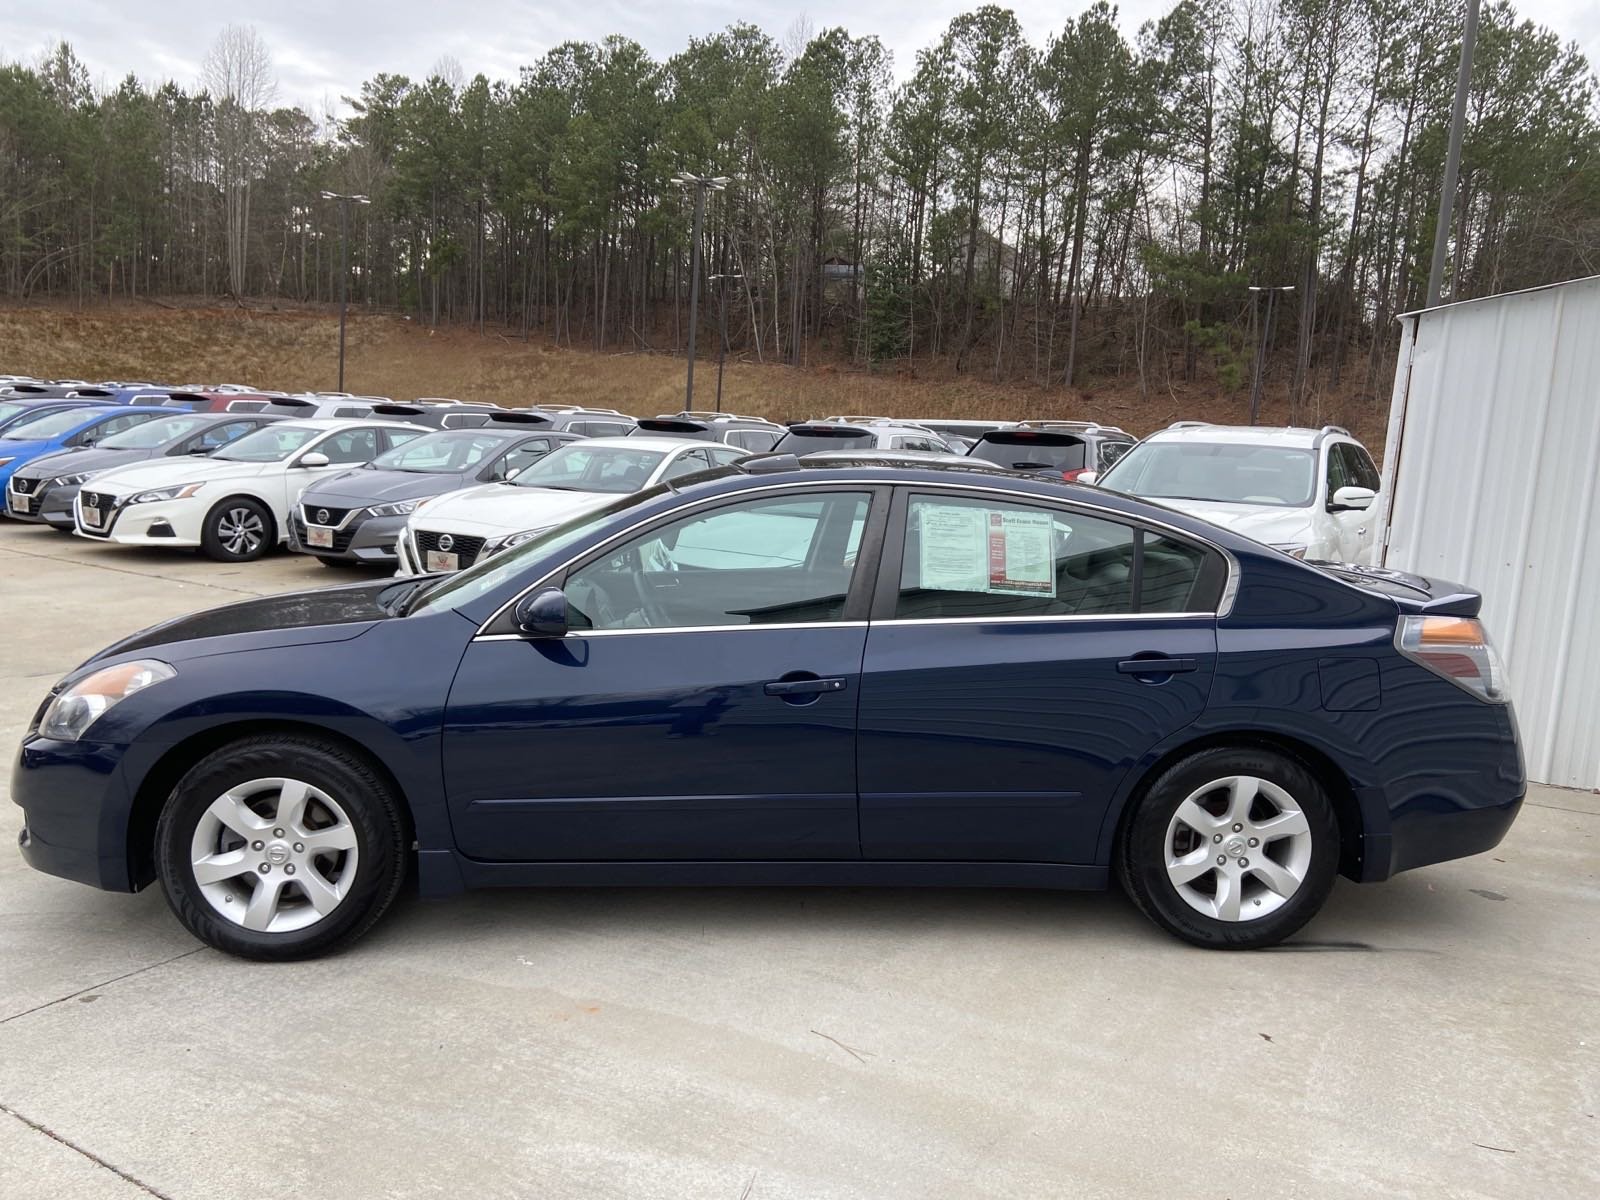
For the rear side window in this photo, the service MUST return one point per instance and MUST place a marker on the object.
(1111, 451)
(982, 559)
(352, 412)
(755, 440)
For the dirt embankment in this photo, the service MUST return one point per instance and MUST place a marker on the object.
(392, 356)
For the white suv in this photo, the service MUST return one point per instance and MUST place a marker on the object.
(1312, 493)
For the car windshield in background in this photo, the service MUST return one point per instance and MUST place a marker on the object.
(463, 587)
(440, 453)
(580, 468)
(152, 433)
(1221, 472)
(7, 411)
(47, 426)
(273, 444)
(1026, 451)
(813, 437)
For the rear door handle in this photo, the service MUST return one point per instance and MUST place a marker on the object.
(805, 687)
(1161, 665)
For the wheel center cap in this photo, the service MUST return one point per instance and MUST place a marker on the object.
(278, 853)
(1235, 846)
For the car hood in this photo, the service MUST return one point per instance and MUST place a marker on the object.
(1264, 523)
(292, 619)
(494, 509)
(28, 448)
(78, 460)
(359, 488)
(166, 472)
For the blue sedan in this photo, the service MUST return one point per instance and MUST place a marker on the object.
(782, 673)
(65, 429)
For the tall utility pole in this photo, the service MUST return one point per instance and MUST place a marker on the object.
(722, 326)
(1452, 161)
(701, 185)
(345, 201)
(1261, 348)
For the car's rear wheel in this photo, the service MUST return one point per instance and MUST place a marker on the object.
(1231, 848)
(280, 847)
(238, 530)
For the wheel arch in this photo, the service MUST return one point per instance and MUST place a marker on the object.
(277, 526)
(175, 762)
(1342, 791)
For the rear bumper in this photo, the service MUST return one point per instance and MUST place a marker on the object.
(1421, 839)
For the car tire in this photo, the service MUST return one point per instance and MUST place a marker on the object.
(280, 847)
(1185, 857)
(238, 529)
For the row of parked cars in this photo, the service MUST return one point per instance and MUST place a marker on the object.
(436, 484)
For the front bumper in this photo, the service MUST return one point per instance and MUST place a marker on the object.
(162, 523)
(76, 805)
(46, 505)
(363, 540)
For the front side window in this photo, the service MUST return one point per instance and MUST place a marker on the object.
(350, 446)
(272, 444)
(120, 424)
(687, 464)
(779, 560)
(522, 456)
(439, 453)
(965, 557)
(220, 435)
(581, 467)
(1222, 472)
(352, 411)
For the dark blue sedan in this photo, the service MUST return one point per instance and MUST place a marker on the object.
(776, 673)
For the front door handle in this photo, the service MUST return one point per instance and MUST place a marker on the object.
(1157, 665)
(805, 687)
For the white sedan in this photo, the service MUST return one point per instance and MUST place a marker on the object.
(459, 528)
(233, 504)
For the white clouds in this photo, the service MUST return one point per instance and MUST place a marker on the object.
(325, 48)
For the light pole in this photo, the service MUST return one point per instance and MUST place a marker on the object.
(701, 184)
(1452, 161)
(1261, 350)
(722, 325)
(345, 201)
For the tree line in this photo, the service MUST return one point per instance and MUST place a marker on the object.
(1091, 207)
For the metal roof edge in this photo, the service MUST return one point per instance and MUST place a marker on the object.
(1543, 287)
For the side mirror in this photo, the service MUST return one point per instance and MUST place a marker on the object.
(1351, 499)
(543, 614)
(315, 459)
(1087, 476)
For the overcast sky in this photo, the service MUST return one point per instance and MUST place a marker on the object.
(323, 49)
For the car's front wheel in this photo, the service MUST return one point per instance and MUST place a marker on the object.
(1231, 848)
(238, 530)
(280, 847)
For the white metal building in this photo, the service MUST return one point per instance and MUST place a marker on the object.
(1491, 469)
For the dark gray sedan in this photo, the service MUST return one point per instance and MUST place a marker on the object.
(42, 491)
(356, 516)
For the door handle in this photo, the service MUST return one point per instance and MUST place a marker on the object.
(1157, 665)
(805, 687)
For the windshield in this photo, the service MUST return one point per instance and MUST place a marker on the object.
(47, 426)
(1031, 451)
(804, 441)
(152, 433)
(272, 444)
(440, 453)
(591, 468)
(466, 586)
(7, 411)
(1223, 472)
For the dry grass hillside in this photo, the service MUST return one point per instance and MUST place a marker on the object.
(392, 356)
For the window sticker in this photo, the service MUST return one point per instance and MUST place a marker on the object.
(983, 550)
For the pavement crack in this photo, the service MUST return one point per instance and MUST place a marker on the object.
(93, 986)
(39, 1127)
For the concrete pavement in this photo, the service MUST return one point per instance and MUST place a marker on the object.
(1438, 1035)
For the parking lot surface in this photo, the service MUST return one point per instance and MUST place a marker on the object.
(1437, 1035)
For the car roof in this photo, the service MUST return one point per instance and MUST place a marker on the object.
(894, 458)
(324, 423)
(1247, 435)
(666, 445)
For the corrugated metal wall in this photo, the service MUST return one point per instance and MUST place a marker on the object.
(1492, 464)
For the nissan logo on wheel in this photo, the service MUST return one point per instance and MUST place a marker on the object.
(446, 542)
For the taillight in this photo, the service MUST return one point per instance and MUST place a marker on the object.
(1457, 648)
(1071, 476)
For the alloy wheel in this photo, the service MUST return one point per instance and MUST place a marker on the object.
(240, 530)
(274, 855)
(1238, 848)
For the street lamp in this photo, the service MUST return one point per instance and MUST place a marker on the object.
(701, 185)
(345, 201)
(1261, 350)
(722, 323)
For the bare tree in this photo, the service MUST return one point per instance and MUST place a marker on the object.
(238, 74)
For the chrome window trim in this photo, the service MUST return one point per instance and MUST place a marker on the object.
(1230, 588)
(589, 633)
(1050, 618)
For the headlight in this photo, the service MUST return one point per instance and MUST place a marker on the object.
(181, 492)
(513, 539)
(69, 480)
(1292, 549)
(72, 712)
(398, 509)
